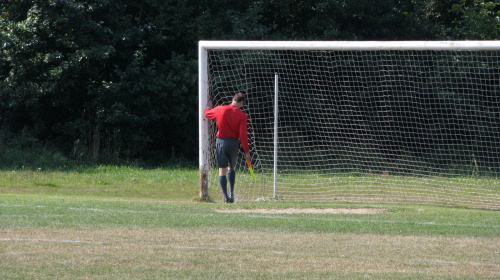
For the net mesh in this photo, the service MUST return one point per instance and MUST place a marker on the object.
(418, 127)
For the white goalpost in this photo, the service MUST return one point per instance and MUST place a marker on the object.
(415, 122)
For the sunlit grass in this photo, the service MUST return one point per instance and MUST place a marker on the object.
(468, 191)
(107, 181)
(114, 222)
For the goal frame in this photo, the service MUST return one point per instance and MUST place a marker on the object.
(205, 46)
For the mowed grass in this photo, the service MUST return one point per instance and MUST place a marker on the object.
(104, 181)
(129, 223)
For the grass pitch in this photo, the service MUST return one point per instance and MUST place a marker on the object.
(131, 223)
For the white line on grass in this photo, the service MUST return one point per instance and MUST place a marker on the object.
(291, 217)
(81, 209)
(112, 210)
(275, 252)
(21, 205)
(227, 249)
(276, 216)
(46, 240)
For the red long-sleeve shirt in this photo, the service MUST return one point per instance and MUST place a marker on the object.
(231, 123)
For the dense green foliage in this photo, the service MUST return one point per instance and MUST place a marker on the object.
(116, 80)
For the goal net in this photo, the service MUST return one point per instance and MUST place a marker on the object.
(374, 122)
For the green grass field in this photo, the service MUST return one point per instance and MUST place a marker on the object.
(130, 223)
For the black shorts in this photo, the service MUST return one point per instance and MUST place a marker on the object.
(226, 152)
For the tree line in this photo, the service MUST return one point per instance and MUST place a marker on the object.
(113, 81)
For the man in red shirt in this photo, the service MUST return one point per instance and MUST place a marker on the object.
(231, 131)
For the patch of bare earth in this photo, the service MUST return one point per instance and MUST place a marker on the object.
(362, 211)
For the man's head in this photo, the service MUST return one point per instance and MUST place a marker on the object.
(239, 98)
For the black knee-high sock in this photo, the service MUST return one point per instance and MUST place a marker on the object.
(231, 176)
(223, 186)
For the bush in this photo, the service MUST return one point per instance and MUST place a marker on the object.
(24, 151)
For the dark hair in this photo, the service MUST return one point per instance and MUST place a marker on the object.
(240, 96)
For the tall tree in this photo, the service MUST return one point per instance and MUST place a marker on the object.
(81, 74)
(116, 79)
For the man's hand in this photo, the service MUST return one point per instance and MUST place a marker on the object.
(209, 104)
(247, 155)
